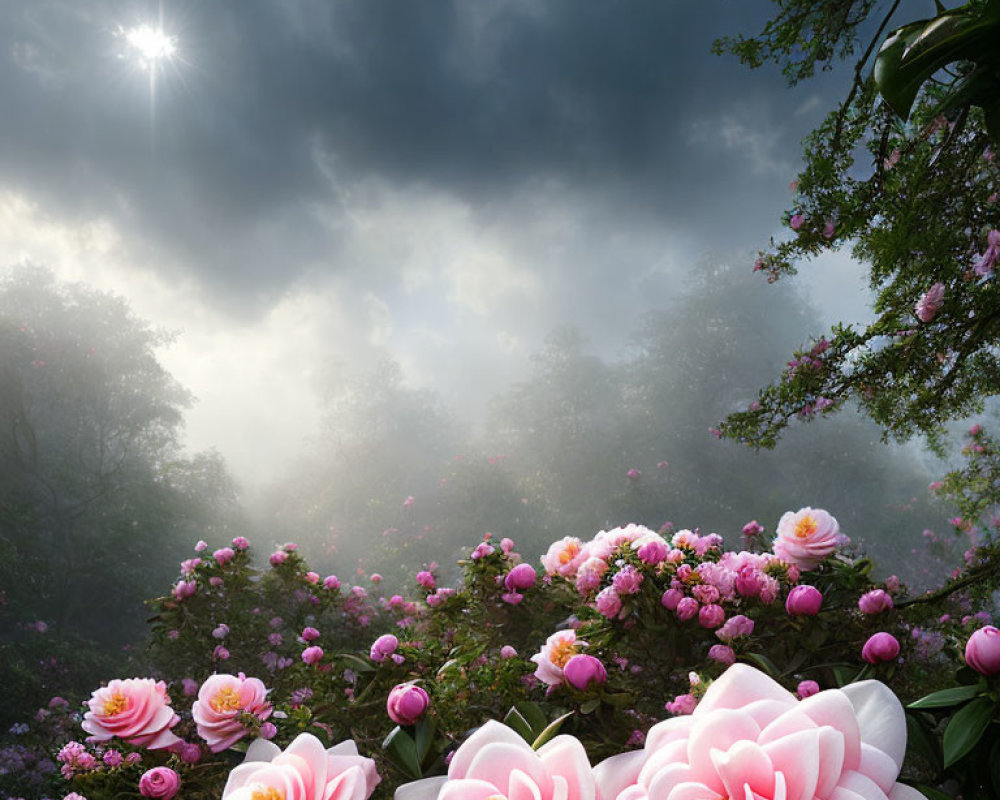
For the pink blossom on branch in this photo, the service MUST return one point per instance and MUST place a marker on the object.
(222, 700)
(136, 710)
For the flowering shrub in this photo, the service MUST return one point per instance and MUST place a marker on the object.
(763, 658)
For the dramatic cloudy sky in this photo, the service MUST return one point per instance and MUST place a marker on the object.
(308, 182)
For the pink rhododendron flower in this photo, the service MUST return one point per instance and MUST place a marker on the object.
(982, 651)
(930, 303)
(880, 648)
(559, 648)
(304, 770)
(221, 701)
(407, 704)
(583, 670)
(496, 762)
(875, 602)
(136, 710)
(806, 537)
(653, 552)
(750, 738)
(159, 782)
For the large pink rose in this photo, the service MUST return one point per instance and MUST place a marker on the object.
(136, 710)
(304, 770)
(806, 537)
(750, 738)
(221, 701)
(496, 761)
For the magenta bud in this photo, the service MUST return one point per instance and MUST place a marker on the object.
(804, 601)
(582, 670)
(407, 704)
(522, 577)
(982, 651)
(880, 648)
(807, 689)
(875, 602)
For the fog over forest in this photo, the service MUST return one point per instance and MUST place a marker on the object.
(381, 281)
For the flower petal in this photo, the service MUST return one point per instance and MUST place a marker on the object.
(745, 764)
(614, 774)
(796, 756)
(742, 684)
(880, 718)
(903, 792)
(720, 729)
(565, 757)
(424, 789)
(668, 777)
(461, 789)
(878, 766)
(834, 708)
(490, 733)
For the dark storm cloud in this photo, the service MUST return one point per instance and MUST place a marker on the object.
(618, 100)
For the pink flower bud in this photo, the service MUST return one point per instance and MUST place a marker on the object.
(711, 616)
(383, 647)
(268, 730)
(880, 648)
(671, 598)
(507, 652)
(582, 670)
(312, 577)
(804, 601)
(512, 598)
(278, 557)
(982, 651)
(522, 577)
(159, 782)
(722, 653)
(331, 582)
(686, 608)
(312, 655)
(875, 602)
(407, 704)
(224, 555)
(201, 546)
(426, 580)
(190, 753)
(310, 634)
(807, 689)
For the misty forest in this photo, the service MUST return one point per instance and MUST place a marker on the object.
(500, 401)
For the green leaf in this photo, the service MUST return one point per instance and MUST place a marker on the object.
(356, 663)
(921, 741)
(551, 730)
(764, 663)
(403, 752)
(946, 697)
(534, 715)
(517, 722)
(590, 706)
(423, 738)
(965, 729)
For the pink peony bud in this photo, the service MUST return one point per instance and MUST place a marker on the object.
(241, 543)
(268, 730)
(224, 555)
(982, 651)
(278, 557)
(686, 608)
(582, 670)
(407, 704)
(722, 653)
(312, 655)
(159, 782)
(426, 580)
(190, 753)
(383, 647)
(522, 577)
(508, 652)
(671, 598)
(331, 582)
(807, 689)
(804, 601)
(310, 634)
(880, 648)
(711, 616)
(875, 602)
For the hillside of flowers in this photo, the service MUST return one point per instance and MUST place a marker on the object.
(667, 663)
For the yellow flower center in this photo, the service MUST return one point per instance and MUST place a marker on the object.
(267, 793)
(805, 527)
(115, 704)
(568, 554)
(561, 652)
(228, 699)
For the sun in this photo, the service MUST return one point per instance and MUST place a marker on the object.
(148, 45)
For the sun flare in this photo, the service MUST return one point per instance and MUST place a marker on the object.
(148, 45)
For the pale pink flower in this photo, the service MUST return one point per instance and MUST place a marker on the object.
(221, 701)
(507, 652)
(984, 267)
(930, 303)
(136, 710)
(559, 648)
(875, 602)
(805, 537)
(607, 602)
(563, 557)
(750, 738)
(496, 762)
(588, 576)
(312, 655)
(304, 770)
(185, 589)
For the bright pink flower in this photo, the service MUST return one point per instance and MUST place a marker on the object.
(563, 557)
(875, 602)
(159, 782)
(735, 627)
(722, 653)
(331, 582)
(409, 501)
(304, 770)
(312, 655)
(880, 648)
(633, 474)
(512, 598)
(278, 557)
(806, 537)
(426, 579)
(200, 546)
(608, 603)
(312, 577)
(711, 616)
(136, 710)
(310, 634)
(241, 543)
(671, 598)
(558, 649)
(383, 647)
(221, 701)
(496, 762)
(686, 608)
(930, 303)
(407, 703)
(795, 222)
(804, 601)
(224, 555)
(583, 670)
(653, 552)
(807, 689)
(220, 653)
(482, 550)
(589, 575)
(627, 580)
(268, 730)
(375, 578)
(982, 651)
(682, 704)
(750, 738)
(753, 528)
(523, 576)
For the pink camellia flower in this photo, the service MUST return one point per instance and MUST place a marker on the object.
(159, 782)
(407, 703)
(312, 655)
(806, 689)
(224, 555)
(496, 762)
(522, 577)
(804, 601)
(875, 602)
(558, 649)
(750, 738)
(930, 303)
(880, 648)
(383, 647)
(982, 651)
(221, 701)
(136, 710)
(806, 537)
(304, 770)
(583, 670)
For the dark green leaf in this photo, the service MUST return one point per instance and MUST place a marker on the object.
(764, 663)
(946, 697)
(590, 706)
(550, 731)
(921, 741)
(534, 716)
(423, 738)
(965, 728)
(516, 720)
(402, 750)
